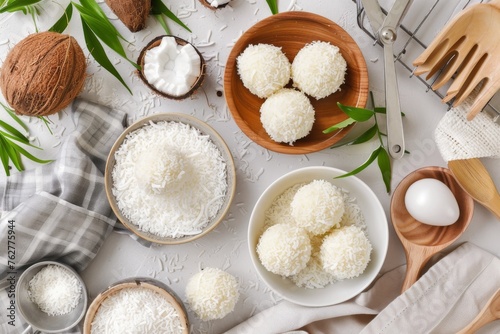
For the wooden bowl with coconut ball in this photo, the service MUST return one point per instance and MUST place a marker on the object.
(171, 67)
(170, 178)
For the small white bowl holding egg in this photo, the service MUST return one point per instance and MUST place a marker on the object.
(292, 288)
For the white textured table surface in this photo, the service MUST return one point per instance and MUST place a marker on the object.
(226, 247)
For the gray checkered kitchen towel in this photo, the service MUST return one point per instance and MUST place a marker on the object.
(60, 211)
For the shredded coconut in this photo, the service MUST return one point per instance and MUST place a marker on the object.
(212, 293)
(345, 252)
(319, 69)
(263, 68)
(169, 179)
(136, 310)
(318, 206)
(287, 116)
(284, 249)
(55, 290)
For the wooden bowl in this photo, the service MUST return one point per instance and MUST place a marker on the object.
(421, 241)
(292, 31)
(132, 283)
(204, 129)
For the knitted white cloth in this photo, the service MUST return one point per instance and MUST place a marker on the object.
(457, 138)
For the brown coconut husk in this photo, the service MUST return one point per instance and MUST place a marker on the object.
(133, 13)
(43, 73)
(156, 42)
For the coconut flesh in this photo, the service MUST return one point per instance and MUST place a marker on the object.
(172, 69)
(43, 73)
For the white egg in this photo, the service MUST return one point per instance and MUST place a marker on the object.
(431, 202)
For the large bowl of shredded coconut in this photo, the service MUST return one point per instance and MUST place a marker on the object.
(170, 178)
(316, 240)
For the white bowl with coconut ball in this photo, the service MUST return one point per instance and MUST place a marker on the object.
(329, 257)
(170, 178)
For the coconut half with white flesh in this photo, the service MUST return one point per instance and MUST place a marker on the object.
(215, 4)
(171, 67)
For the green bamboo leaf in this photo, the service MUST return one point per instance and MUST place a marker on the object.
(46, 121)
(28, 155)
(273, 5)
(22, 138)
(370, 159)
(16, 5)
(12, 114)
(366, 136)
(63, 21)
(384, 164)
(339, 125)
(5, 158)
(13, 154)
(162, 22)
(8, 135)
(99, 54)
(359, 114)
(382, 110)
(158, 7)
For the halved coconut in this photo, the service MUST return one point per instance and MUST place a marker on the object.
(215, 4)
(171, 67)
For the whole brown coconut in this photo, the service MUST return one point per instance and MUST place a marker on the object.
(133, 13)
(43, 73)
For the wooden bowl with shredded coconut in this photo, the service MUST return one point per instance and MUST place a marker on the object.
(170, 178)
(137, 304)
(292, 31)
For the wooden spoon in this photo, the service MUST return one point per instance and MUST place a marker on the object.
(489, 313)
(421, 241)
(475, 179)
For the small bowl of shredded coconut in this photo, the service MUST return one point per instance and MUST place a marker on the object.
(170, 178)
(137, 305)
(51, 297)
(316, 239)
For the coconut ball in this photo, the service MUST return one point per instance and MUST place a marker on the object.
(319, 69)
(264, 69)
(161, 170)
(284, 249)
(318, 206)
(345, 252)
(287, 116)
(212, 293)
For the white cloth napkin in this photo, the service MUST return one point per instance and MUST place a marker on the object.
(444, 300)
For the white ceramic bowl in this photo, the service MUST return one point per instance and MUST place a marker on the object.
(377, 230)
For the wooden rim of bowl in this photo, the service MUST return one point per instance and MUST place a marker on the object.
(156, 42)
(168, 295)
(291, 31)
(215, 137)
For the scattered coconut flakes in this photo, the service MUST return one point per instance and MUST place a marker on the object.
(287, 116)
(212, 293)
(319, 69)
(177, 210)
(263, 69)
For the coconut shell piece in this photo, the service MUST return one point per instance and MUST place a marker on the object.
(156, 42)
(133, 13)
(43, 73)
(207, 4)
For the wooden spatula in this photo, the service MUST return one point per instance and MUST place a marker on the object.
(490, 312)
(474, 178)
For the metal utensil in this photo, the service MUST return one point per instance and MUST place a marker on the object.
(384, 28)
(467, 48)
(489, 313)
(474, 178)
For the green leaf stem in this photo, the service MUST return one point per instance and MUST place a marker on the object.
(365, 164)
(273, 6)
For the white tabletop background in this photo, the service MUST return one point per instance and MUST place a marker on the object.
(226, 247)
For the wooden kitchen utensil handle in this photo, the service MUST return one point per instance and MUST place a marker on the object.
(489, 313)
